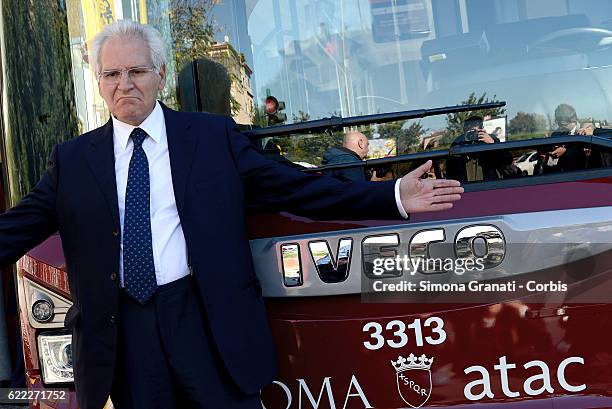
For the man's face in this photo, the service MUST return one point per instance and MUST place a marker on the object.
(567, 124)
(472, 126)
(130, 100)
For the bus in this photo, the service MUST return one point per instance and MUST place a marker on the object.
(513, 310)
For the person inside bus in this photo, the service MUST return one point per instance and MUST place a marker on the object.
(167, 310)
(354, 149)
(460, 168)
(564, 157)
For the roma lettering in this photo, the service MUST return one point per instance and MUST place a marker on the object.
(325, 398)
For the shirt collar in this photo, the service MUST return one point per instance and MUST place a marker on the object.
(153, 125)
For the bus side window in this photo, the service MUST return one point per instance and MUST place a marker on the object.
(598, 157)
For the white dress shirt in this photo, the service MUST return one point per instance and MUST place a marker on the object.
(169, 246)
(398, 200)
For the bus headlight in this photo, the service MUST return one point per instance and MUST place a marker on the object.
(42, 310)
(46, 308)
(55, 353)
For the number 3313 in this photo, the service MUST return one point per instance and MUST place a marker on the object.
(395, 333)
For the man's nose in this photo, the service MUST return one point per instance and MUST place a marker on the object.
(124, 81)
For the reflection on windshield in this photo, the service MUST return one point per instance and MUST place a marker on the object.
(324, 57)
(319, 58)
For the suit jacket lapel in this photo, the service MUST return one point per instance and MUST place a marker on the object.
(101, 160)
(181, 147)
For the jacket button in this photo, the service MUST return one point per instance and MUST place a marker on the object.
(116, 232)
(113, 276)
(113, 318)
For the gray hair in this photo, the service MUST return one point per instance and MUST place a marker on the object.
(129, 29)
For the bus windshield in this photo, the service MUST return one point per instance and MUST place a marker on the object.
(269, 62)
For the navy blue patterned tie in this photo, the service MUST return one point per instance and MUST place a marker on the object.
(138, 265)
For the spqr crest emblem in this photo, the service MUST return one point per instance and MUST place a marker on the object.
(413, 378)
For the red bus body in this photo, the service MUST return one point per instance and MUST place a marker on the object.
(321, 340)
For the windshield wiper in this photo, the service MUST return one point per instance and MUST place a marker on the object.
(336, 123)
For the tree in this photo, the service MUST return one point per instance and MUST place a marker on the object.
(307, 148)
(522, 123)
(410, 138)
(527, 123)
(454, 122)
(407, 139)
(300, 117)
(541, 123)
(42, 110)
(193, 29)
(312, 147)
(193, 35)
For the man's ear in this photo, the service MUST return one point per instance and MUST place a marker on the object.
(360, 143)
(162, 74)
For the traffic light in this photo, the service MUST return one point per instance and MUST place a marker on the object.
(273, 111)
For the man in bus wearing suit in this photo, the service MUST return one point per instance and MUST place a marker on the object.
(167, 309)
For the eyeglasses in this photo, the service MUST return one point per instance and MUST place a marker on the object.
(564, 122)
(134, 74)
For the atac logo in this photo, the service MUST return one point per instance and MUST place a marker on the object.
(413, 377)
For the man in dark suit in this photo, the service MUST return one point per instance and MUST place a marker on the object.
(167, 309)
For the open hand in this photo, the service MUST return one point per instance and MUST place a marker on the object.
(426, 195)
(558, 152)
